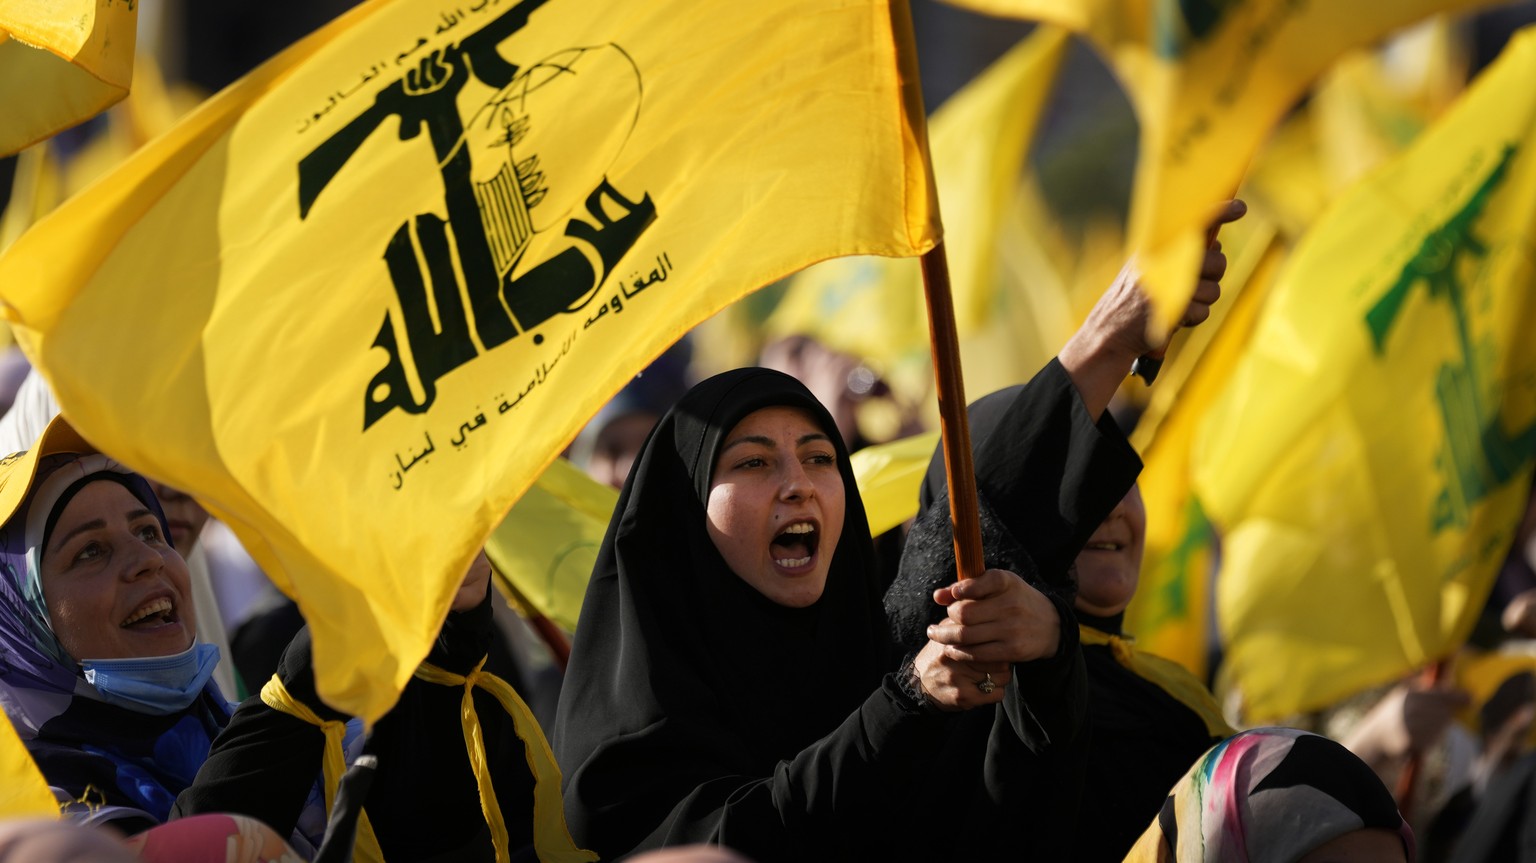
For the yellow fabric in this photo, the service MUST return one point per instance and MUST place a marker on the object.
(23, 791)
(1171, 608)
(1481, 674)
(1150, 847)
(65, 62)
(363, 432)
(1208, 80)
(1367, 463)
(890, 476)
(1364, 115)
(551, 838)
(1168, 676)
(874, 308)
(1287, 181)
(1372, 104)
(548, 542)
(35, 189)
(276, 696)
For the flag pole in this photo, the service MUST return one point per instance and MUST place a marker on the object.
(1408, 780)
(953, 421)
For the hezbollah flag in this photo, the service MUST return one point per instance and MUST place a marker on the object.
(1368, 462)
(357, 301)
(1208, 79)
(874, 309)
(1170, 613)
(61, 62)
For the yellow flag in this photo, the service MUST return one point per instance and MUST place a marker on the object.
(547, 544)
(1372, 104)
(1367, 464)
(35, 190)
(23, 791)
(890, 476)
(1208, 79)
(1171, 610)
(357, 301)
(874, 308)
(61, 62)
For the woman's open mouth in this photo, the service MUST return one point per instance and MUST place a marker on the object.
(795, 546)
(159, 611)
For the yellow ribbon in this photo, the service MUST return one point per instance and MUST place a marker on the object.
(551, 838)
(1169, 676)
(276, 696)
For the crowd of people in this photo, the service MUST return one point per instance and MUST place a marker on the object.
(751, 677)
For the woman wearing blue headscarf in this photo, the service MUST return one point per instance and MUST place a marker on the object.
(101, 670)
(108, 685)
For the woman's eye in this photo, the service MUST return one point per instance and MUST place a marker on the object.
(90, 551)
(822, 458)
(149, 533)
(754, 461)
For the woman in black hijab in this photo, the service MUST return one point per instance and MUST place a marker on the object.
(1051, 466)
(729, 681)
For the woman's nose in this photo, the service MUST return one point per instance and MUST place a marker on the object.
(796, 484)
(141, 559)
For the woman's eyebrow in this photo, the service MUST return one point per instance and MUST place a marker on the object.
(755, 438)
(813, 436)
(94, 524)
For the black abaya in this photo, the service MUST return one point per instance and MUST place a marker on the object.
(695, 709)
(1047, 475)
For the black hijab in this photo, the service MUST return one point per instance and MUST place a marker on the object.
(1020, 448)
(1046, 476)
(681, 673)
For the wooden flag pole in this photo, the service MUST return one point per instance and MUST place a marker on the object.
(953, 421)
(1408, 780)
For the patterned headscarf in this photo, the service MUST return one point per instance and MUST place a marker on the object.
(37, 677)
(1269, 795)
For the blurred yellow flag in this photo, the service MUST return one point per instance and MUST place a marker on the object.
(357, 301)
(61, 62)
(1170, 613)
(1208, 79)
(1367, 464)
(23, 791)
(890, 476)
(547, 544)
(874, 308)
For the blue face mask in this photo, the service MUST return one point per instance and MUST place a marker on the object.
(157, 685)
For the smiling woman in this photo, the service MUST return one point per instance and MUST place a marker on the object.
(106, 681)
(104, 676)
(113, 585)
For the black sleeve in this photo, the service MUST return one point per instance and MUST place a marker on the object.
(1047, 702)
(832, 801)
(264, 765)
(424, 775)
(266, 762)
